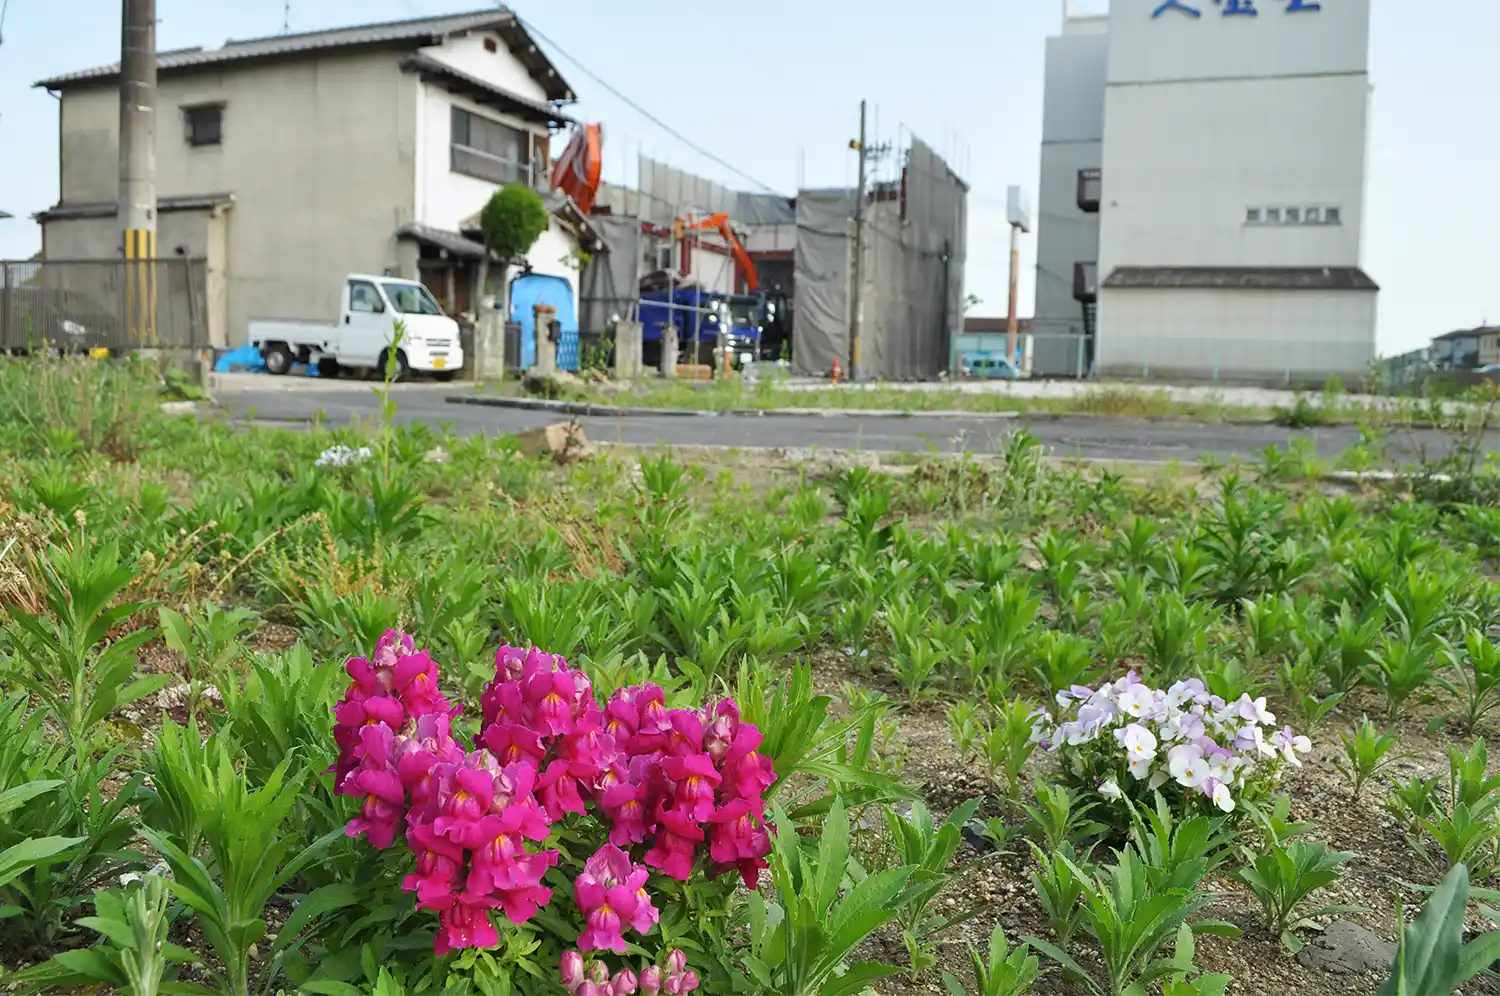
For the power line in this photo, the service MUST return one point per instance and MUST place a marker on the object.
(642, 111)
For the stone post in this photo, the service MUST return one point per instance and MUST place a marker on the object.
(627, 350)
(669, 349)
(489, 342)
(546, 349)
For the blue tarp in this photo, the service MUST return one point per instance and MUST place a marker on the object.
(525, 294)
(247, 358)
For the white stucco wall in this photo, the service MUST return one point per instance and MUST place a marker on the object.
(467, 53)
(1297, 337)
(445, 198)
(1184, 161)
(1072, 139)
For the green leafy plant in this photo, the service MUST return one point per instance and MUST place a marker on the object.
(1132, 923)
(1284, 876)
(209, 642)
(250, 859)
(965, 727)
(1008, 743)
(70, 658)
(1478, 678)
(1404, 667)
(1366, 753)
(1414, 800)
(927, 849)
(133, 955)
(1059, 879)
(1431, 956)
(1275, 820)
(1057, 816)
(1001, 971)
(801, 942)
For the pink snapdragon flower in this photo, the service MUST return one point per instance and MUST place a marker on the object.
(677, 838)
(463, 922)
(440, 865)
(694, 780)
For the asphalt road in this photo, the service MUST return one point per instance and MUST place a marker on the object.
(1094, 438)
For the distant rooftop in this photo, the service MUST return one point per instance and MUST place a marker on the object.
(1473, 333)
(406, 35)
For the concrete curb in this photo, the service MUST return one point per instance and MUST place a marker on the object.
(585, 408)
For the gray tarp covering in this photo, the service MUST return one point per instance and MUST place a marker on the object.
(824, 239)
(610, 281)
(913, 275)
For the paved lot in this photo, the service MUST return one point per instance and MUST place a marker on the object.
(1088, 438)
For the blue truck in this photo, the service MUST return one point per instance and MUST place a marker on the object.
(699, 316)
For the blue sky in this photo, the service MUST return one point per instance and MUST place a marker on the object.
(774, 88)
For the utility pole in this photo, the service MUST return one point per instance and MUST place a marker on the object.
(1018, 213)
(137, 209)
(1012, 323)
(859, 250)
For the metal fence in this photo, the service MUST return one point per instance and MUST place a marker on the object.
(1210, 359)
(103, 304)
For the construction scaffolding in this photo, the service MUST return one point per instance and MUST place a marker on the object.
(911, 274)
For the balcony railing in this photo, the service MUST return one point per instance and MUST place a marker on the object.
(1086, 282)
(1090, 184)
(484, 166)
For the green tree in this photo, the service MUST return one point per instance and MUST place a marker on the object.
(512, 220)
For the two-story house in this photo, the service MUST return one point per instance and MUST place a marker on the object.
(288, 161)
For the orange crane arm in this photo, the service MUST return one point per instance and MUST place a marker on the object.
(721, 223)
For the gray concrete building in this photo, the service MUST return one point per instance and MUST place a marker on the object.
(1068, 227)
(287, 162)
(1229, 192)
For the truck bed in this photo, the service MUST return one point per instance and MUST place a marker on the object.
(292, 331)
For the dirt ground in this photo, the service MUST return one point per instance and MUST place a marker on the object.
(1375, 879)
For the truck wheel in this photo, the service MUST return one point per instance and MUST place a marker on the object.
(403, 369)
(278, 358)
(328, 367)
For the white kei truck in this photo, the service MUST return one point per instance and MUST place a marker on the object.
(361, 339)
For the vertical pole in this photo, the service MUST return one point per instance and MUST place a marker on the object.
(5, 308)
(1012, 324)
(137, 210)
(859, 253)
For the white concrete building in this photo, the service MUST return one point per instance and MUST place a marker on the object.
(1230, 193)
(289, 161)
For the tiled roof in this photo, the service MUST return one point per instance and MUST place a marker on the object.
(409, 33)
(108, 209)
(1243, 278)
(454, 242)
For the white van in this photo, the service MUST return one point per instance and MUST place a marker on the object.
(362, 337)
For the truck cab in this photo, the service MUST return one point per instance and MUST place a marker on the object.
(700, 317)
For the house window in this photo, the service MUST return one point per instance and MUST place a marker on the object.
(1273, 216)
(1312, 216)
(205, 124)
(1252, 216)
(489, 150)
(1294, 216)
(1331, 216)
